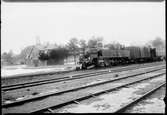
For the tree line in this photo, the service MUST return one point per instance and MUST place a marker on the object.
(73, 46)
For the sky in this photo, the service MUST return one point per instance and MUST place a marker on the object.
(124, 22)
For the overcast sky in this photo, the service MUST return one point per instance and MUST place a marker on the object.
(127, 23)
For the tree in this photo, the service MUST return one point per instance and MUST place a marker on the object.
(72, 45)
(94, 42)
(119, 46)
(114, 45)
(8, 57)
(26, 52)
(11, 53)
(109, 46)
(83, 44)
(158, 42)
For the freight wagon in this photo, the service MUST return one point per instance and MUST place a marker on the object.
(140, 54)
(161, 54)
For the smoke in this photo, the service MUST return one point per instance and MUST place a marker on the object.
(158, 43)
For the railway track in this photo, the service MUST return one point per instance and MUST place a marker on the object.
(152, 103)
(55, 100)
(130, 104)
(66, 78)
(54, 73)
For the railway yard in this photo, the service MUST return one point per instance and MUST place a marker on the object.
(83, 57)
(135, 88)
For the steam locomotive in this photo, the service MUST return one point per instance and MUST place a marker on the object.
(97, 57)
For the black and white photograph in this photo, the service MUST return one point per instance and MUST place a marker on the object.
(83, 56)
